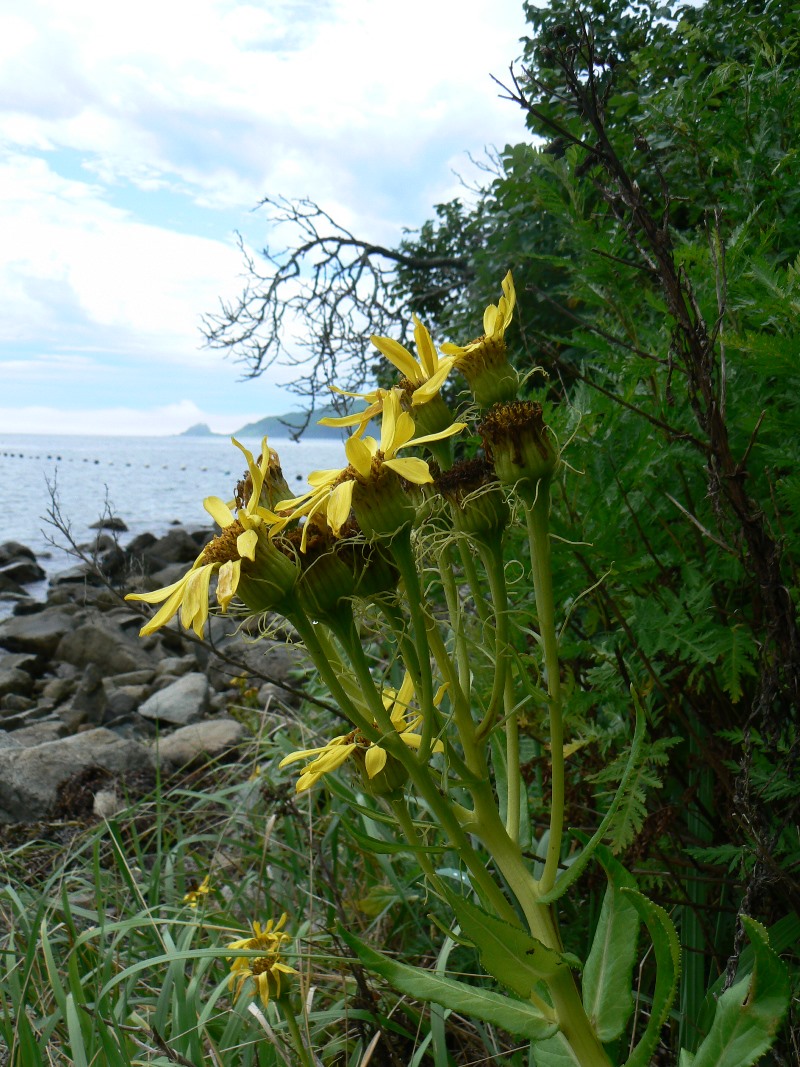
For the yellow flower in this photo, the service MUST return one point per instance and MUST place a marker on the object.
(496, 320)
(265, 970)
(224, 554)
(368, 462)
(193, 897)
(330, 757)
(483, 362)
(422, 377)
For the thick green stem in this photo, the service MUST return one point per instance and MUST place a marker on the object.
(537, 515)
(493, 562)
(513, 777)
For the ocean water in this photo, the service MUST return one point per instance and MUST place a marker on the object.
(149, 482)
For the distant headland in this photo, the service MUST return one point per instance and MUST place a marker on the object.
(274, 426)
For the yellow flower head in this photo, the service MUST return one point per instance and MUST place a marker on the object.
(265, 970)
(223, 555)
(483, 362)
(369, 461)
(330, 757)
(423, 377)
(420, 383)
(194, 896)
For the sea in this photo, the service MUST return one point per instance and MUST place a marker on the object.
(149, 482)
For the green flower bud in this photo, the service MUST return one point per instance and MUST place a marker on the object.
(518, 442)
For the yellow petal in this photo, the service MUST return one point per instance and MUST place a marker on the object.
(427, 353)
(375, 760)
(158, 595)
(360, 451)
(431, 388)
(391, 411)
(227, 582)
(219, 511)
(400, 357)
(412, 469)
(256, 473)
(246, 544)
(194, 609)
(339, 505)
(164, 614)
(456, 427)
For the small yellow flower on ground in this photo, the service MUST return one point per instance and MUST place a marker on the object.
(194, 896)
(267, 971)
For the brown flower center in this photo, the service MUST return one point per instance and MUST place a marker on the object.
(223, 547)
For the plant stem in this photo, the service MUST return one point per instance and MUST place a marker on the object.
(537, 515)
(295, 1035)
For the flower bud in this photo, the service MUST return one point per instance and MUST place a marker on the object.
(267, 582)
(517, 440)
(476, 501)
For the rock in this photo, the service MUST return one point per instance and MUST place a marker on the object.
(90, 700)
(10, 589)
(39, 633)
(16, 720)
(25, 661)
(110, 522)
(178, 546)
(13, 702)
(181, 703)
(142, 677)
(13, 680)
(122, 700)
(107, 804)
(59, 689)
(7, 740)
(106, 647)
(13, 550)
(80, 574)
(175, 665)
(30, 777)
(23, 570)
(39, 733)
(200, 740)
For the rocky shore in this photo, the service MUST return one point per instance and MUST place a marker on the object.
(90, 709)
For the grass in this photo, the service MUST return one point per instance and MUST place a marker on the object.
(104, 963)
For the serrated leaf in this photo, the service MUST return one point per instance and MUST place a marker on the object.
(514, 1016)
(749, 1013)
(607, 993)
(510, 954)
(668, 968)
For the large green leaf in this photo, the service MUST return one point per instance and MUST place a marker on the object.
(607, 995)
(510, 954)
(668, 967)
(749, 1013)
(514, 1016)
(556, 1052)
(575, 870)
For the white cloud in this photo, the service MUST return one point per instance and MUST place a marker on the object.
(71, 258)
(120, 421)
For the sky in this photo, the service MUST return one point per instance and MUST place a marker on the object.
(136, 140)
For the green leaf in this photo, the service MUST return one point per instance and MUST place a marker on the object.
(574, 871)
(749, 1013)
(556, 1052)
(668, 967)
(514, 1016)
(510, 954)
(607, 995)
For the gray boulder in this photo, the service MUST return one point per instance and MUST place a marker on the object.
(184, 701)
(29, 777)
(200, 740)
(13, 550)
(39, 633)
(13, 680)
(23, 570)
(104, 646)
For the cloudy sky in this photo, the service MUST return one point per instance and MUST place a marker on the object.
(135, 140)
